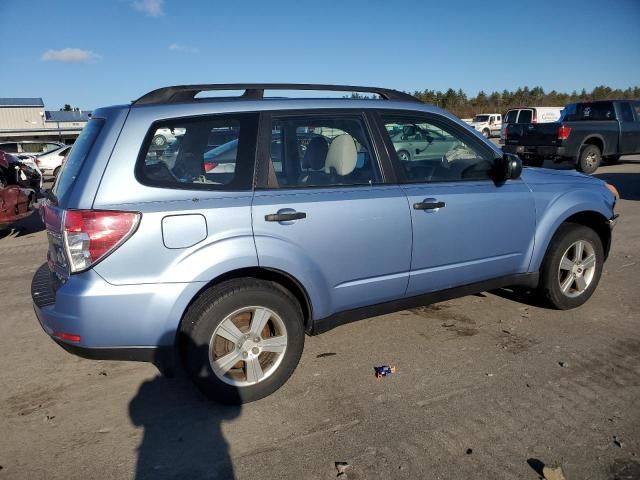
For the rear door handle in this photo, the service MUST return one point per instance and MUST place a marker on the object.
(285, 217)
(429, 204)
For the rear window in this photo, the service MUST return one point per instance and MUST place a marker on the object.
(213, 153)
(525, 116)
(78, 154)
(511, 115)
(9, 147)
(589, 111)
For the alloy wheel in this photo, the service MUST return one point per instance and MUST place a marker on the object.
(577, 268)
(248, 346)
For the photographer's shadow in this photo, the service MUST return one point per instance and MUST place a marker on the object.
(182, 431)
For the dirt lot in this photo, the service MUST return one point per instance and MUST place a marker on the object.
(488, 386)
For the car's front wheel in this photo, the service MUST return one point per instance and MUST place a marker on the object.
(486, 133)
(572, 267)
(241, 340)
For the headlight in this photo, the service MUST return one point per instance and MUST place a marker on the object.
(613, 190)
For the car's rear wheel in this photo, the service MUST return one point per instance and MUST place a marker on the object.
(241, 340)
(572, 266)
(486, 133)
(56, 172)
(589, 159)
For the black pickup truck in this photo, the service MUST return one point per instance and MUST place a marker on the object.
(586, 134)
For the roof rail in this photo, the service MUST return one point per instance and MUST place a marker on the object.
(255, 91)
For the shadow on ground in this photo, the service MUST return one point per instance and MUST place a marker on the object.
(627, 183)
(521, 295)
(27, 226)
(182, 432)
(182, 435)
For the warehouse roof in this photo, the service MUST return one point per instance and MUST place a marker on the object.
(21, 102)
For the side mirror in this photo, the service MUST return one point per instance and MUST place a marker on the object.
(508, 167)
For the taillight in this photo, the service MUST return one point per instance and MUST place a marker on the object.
(89, 235)
(563, 132)
(534, 119)
(208, 166)
(506, 131)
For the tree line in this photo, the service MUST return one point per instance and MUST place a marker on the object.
(458, 103)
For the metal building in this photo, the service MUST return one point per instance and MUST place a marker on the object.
(27, 119)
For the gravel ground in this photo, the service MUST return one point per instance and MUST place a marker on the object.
(490, 386)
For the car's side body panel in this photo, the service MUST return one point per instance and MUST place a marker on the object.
(352, 249)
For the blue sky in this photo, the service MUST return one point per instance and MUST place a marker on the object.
(91, 53)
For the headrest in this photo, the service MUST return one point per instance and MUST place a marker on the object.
(316, 154)
(342, 155)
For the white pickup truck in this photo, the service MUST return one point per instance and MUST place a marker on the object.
(489, 124)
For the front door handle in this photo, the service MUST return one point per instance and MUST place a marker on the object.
(429, 204)
(285, 217)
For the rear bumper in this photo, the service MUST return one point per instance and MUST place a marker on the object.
(536, 151)
(110, 322)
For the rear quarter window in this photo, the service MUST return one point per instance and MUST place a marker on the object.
(77, 156)
(215, 152)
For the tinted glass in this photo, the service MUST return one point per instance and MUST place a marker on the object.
(627, 113)
(208, 153)
(9, 147)
(430, 152)
(77, 156)
(321, 151)
(511, 116)
(589, 111)
(525, 116)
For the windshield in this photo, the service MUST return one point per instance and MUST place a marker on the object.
(481, 118)
(77, 156)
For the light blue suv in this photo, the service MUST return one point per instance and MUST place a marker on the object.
(263, 219)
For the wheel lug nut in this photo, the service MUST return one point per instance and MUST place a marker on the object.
(245, 354)
(256, 340)
(255, 350)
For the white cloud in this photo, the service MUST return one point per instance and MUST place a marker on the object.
(70, 55)
(176, 47)
(153, 8)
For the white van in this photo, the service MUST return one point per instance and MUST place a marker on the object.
(530, 115)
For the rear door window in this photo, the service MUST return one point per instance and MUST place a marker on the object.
(77, 156)
(321, 151)
(213, 153)
(627, 113)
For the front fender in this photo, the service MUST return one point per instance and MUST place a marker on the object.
(558, 209)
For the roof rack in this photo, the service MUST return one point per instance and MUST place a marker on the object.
(255, 91)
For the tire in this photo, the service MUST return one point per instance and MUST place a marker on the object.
(56, 171)
(237, 303)
(534, 162)
(486, 133)
(159, 141)
(611, 160)
(555, 272)
(589, 159)
(404, 156)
